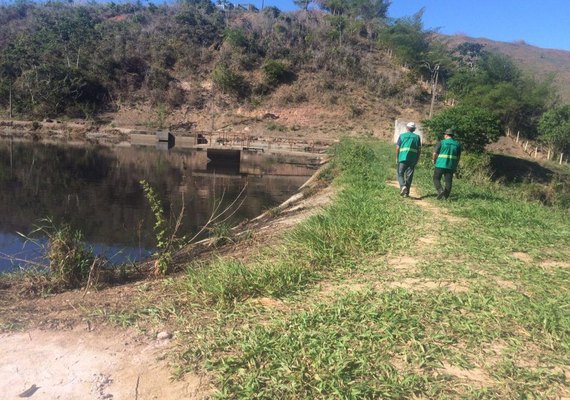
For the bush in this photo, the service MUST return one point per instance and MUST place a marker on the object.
(229, 82)
(235, 38)
(475, 166)
(69, 260)
(276, 72)
(474, 127)
(554, 128)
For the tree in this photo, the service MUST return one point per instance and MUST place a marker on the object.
(474, 127)
(365, 9)
(554, 128)
(371, 9)
(303, 4)
(407, 39)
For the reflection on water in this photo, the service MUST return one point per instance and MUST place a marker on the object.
(96, 190)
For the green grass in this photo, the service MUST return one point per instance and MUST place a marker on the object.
(364, 220)
(474, 321)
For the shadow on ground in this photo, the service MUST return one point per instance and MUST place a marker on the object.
(513, 170)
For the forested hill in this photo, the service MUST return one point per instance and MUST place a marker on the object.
(344, 67)
(542, 63)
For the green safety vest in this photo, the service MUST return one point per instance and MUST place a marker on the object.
(409, 148)
(448, 156)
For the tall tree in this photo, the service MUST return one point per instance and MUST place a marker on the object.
(365, 9)
(554, 128)
(303, 4)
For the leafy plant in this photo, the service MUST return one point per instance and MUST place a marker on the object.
(228, 81)
(474, 127)
(70, 262)
(166, 240)
(276, 72)
(554, 127)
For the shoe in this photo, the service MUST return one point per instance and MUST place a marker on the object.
(403, 191)
(406, 191)
(441, 195)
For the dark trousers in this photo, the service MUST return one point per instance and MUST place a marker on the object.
(448, 177)
(405, 175)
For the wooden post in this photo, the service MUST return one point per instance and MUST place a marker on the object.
(433, 90)
(536, 152)
(548, 156)
(561, 158)
(518, 134)
(525, 145)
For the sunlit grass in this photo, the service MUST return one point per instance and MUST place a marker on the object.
(484, 314)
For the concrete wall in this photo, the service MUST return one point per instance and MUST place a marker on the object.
(400, 127)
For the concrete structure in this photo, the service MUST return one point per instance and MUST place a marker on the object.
(400, 127)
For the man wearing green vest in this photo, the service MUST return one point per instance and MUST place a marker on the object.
(408, 150)
(446, 157)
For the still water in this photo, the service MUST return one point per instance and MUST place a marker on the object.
(96, 190)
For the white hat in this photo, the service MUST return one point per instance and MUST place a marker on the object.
(410, 125)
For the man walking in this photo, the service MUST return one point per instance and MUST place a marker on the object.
(446, 157)
(408, 150)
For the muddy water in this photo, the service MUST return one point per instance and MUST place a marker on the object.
(96, 190)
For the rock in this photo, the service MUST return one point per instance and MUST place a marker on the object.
(164, 335)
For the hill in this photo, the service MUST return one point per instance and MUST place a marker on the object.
(249, 73)
(540, 63)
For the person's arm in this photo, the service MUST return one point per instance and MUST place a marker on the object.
(398, 143)
(420, 149)
(436, 152)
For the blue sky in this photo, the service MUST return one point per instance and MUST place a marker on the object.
(542, 23)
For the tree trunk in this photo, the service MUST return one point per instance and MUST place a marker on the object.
(10, 100)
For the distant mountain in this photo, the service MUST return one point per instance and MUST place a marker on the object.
(541, 63)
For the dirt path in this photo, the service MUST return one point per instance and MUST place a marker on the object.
(83, 364)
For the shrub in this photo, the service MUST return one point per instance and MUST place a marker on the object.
(228, 81)
(69, 260)
(475, 166)
(474, 127)
(276, 72)
(235, 38)
(554, 127)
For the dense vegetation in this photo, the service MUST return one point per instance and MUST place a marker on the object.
(62, 59)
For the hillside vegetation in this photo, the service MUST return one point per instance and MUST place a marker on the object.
(342, 65)
(543, 63)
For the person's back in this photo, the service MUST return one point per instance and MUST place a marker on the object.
(446, 157)
(409, 144)
(449, 153)
(408, 150)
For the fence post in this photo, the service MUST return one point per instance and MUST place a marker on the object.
(525, 145)
(536, 152)
(548, 156)
(518, 134)
(561, 158)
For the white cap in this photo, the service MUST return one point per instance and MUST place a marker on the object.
(410, 125)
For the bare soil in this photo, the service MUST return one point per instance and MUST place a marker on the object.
(90, 363)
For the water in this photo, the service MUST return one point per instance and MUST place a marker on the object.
(96, 190)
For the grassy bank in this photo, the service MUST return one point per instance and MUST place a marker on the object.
(384, 297)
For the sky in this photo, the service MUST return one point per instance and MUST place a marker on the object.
(542, 23)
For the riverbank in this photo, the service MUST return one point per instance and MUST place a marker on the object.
(375, 296)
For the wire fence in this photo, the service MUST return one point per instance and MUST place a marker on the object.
(537, 150)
